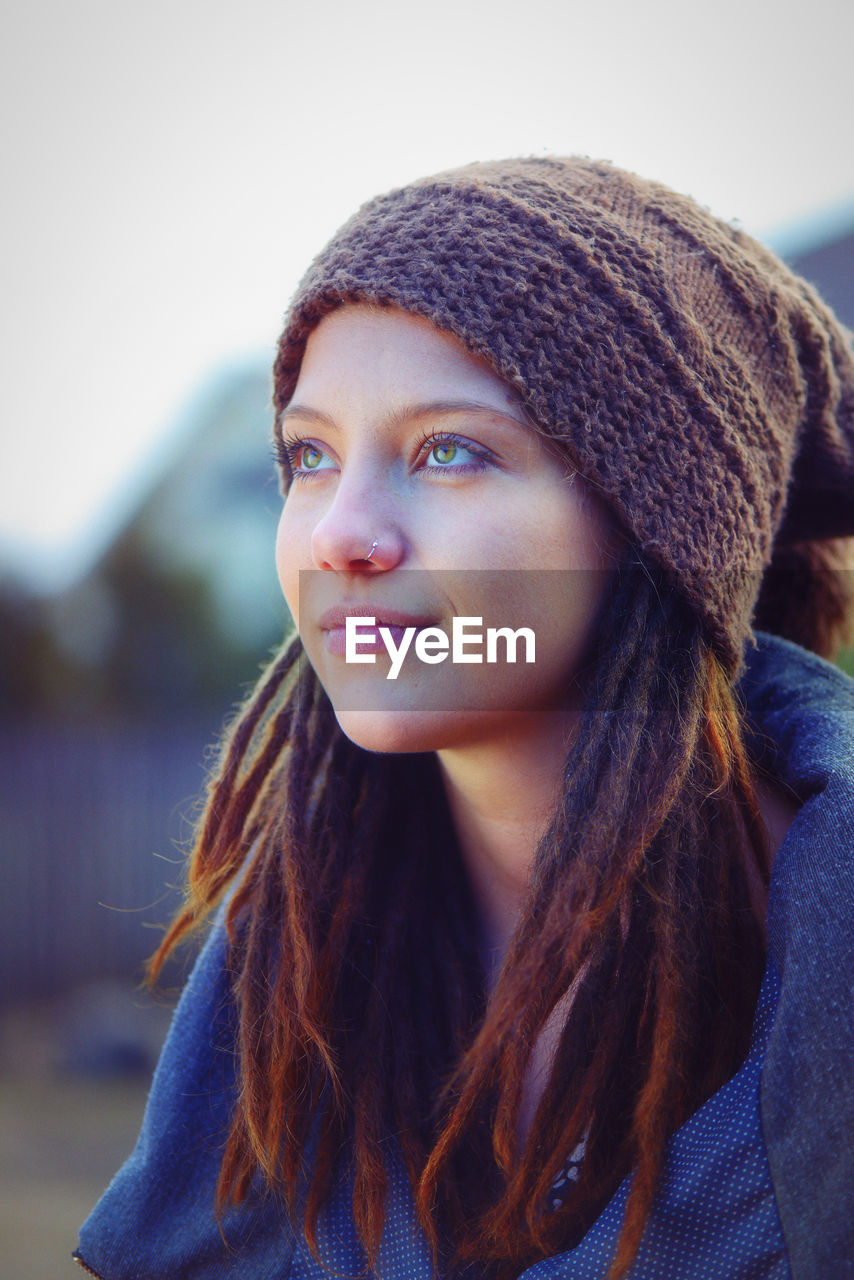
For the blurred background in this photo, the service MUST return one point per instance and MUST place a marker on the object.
(169, 170)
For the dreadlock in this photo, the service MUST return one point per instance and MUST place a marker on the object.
(360, 991)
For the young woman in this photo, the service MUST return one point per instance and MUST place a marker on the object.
(537, 964)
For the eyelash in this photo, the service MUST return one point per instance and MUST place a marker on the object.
(288, 449)
(434, 439)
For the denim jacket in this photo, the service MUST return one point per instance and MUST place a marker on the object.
(758, 1184)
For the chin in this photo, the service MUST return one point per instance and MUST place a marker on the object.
(407, 732)
(399, 732)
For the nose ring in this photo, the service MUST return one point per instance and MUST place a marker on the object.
(374, 546)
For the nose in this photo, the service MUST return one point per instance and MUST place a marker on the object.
(359, 531)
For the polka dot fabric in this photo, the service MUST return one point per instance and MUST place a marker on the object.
(716, 1216)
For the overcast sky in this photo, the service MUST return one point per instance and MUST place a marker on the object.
(171, 166)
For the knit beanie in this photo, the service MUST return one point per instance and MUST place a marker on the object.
(702, 388)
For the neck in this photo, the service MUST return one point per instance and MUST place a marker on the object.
(501, 795)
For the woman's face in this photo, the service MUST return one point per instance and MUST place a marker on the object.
(421, 495)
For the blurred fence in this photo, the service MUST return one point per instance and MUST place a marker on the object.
(90, 820)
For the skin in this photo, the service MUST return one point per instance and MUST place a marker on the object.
(496, 498)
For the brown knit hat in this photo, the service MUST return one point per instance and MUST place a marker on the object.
(696, 383)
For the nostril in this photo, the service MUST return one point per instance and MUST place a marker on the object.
(352, 545)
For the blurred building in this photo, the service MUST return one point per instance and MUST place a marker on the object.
(113, 691)
(184, 603)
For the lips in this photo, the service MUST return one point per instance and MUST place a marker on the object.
(332, 623)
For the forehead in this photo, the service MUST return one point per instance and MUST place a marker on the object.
(363, 349)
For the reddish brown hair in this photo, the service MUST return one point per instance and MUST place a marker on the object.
(358, 982)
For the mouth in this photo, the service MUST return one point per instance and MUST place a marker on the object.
(332, 625)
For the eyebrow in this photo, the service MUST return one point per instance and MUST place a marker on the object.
(408, 413)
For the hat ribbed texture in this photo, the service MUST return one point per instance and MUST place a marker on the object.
(698, 385)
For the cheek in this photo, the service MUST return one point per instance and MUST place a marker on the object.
(288, 561)
(585, 530)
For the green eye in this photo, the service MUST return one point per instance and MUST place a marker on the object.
(455, 455)
(444, 453)
(311, 458)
